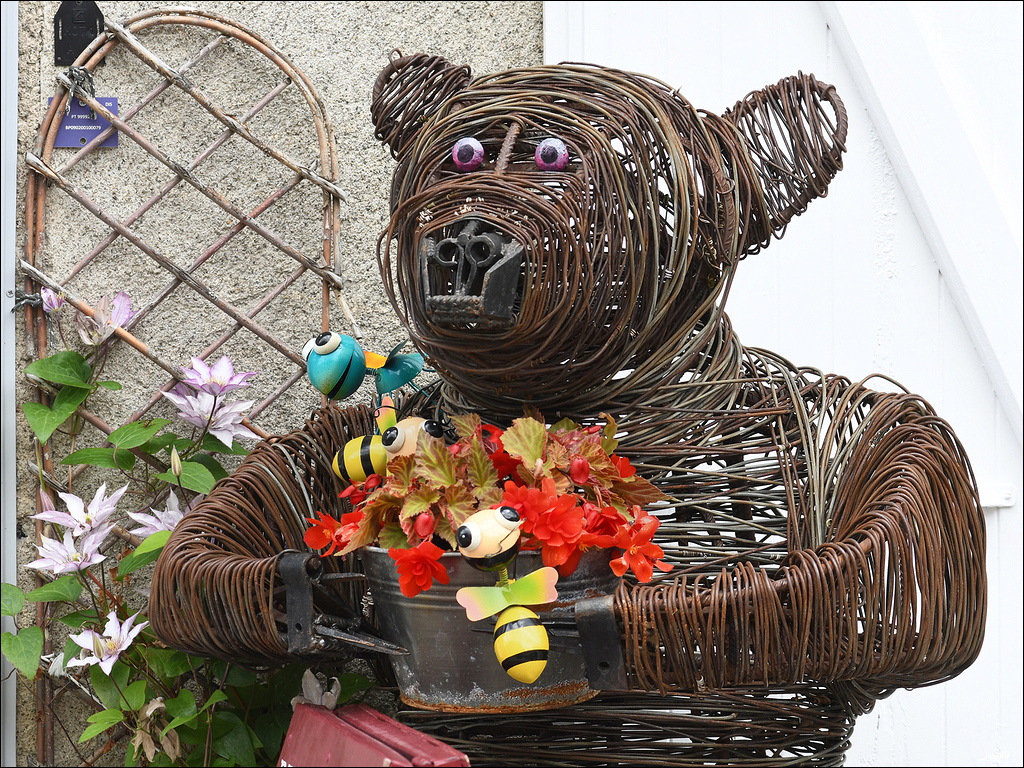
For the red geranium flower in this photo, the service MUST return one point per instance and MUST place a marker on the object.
(622, 464)
(600, 525)
(531, 503)
(327, 530)
(357, 492)
(579, 470)
(418, 568)
(559, 528)
(639, 553)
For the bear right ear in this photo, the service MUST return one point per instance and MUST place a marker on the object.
(408, 90)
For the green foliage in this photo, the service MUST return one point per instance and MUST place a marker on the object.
(23, 649)
(67, 588)
(144, 554)
(194, 477)
(12, 599)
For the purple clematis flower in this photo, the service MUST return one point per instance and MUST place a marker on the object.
(79, 518)
(222, 420)
(160, 520)
(107, 647)
(219, 379)
(52, 301)
(63, 557)
(107, 318)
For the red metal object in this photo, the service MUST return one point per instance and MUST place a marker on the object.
(357, 735)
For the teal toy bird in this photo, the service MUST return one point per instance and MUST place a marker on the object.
(336, 365)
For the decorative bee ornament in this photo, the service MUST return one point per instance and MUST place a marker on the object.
(337, 364)
(368, 455)
(489, 540)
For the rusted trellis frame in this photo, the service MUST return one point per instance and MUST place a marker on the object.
(43, 173)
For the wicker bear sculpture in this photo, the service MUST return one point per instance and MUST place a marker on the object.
(563, 238)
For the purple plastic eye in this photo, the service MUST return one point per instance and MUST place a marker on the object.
(468, 154)
(551, 155)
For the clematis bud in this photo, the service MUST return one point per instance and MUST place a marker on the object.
(175, 462)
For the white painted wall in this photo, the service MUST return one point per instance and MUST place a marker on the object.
(910, 267)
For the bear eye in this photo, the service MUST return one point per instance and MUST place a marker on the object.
(323, 344)
(468, 154)
(551, 155)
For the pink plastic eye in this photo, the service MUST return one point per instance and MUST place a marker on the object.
(468, 154)
(551, 155)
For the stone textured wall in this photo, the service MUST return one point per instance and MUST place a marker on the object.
(341, 47)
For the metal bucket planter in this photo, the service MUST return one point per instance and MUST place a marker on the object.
(451, 666)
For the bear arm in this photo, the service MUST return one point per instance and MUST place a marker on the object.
(896, 596)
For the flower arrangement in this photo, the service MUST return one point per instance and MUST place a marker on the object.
(571, 490)
(171, 707)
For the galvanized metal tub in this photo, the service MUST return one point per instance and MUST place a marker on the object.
(451, 666)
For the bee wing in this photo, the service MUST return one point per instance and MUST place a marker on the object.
(535, 588)
(481, 602)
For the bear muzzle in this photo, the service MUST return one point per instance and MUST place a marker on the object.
(470, 276)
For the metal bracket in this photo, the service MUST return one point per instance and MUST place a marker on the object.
(602, 647)
(299, 570)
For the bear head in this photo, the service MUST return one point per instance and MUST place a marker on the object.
(564, 236)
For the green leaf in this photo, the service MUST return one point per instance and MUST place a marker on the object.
(108, 687)
(135, 695)
(63, 368)
(110, 458)
(393, 537)
(182, 709)
(79, 618)
(434, 462)
(163, 442)
(194, 476)
(101, 721)
(213, 445)
(12, 599)
(479, 468)
(166, 663)
(526, 439)
(236, 744)
(113, 386)
(144, 554)
(136, 433)
(215, 697)
(466, 426)
(461, 504)
(23, 649)
(44, 421)
(419, 501)
(66, 588)
(71, 650)
(236, 676)
(352, 684)
(211, 464)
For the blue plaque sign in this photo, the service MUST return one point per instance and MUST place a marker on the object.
(81, 125)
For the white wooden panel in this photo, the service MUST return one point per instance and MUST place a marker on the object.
(856, 285)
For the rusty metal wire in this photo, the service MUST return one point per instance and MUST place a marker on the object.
(629, 249)
(826, 538)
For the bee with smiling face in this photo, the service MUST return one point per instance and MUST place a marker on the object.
(368, 455)
(489, 540)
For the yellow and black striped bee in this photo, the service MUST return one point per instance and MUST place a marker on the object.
(521, 643)
(368, 455)
(489, 540)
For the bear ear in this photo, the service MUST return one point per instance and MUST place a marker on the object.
(795, 136)
(408, 90)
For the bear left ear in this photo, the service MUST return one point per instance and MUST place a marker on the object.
(795, 134)
(408, 90)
